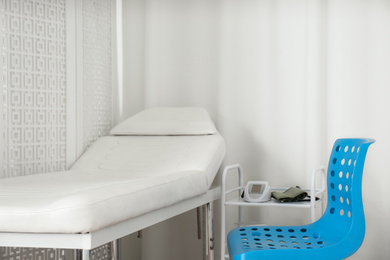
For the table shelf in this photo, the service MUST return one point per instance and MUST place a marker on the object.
(236, 200)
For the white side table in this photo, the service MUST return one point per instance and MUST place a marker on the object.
(239, 202)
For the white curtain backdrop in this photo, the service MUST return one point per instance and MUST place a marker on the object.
(282, 79)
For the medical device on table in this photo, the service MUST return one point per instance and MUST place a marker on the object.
(257, 191)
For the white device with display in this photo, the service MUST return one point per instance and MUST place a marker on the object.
(257, 191)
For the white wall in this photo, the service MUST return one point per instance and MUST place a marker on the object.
(282, 80)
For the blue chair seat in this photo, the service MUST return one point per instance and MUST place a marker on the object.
(336, 235)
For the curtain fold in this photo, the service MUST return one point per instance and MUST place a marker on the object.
(282, 80)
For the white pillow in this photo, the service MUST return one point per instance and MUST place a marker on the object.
(167, 121)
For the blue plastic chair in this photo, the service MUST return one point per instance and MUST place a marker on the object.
(336, 235)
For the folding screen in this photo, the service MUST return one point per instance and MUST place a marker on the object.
(56, 87)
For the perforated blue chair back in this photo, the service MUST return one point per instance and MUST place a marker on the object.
(336, 235)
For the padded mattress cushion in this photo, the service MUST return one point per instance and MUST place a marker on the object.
(167, 121)
(117, 178)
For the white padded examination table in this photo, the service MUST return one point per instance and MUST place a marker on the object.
(121, 184)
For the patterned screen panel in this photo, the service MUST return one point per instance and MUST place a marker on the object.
(97, 69)
(15, 253)
(33, 97)
(97, 80)
(101, 253)
(33, 92)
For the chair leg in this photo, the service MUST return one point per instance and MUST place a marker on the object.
(82, 254)
(210, 220)
(198, 221)
(208, 231)
(115, 249)
(202, 227)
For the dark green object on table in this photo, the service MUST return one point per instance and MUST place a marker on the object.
(290, 195)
